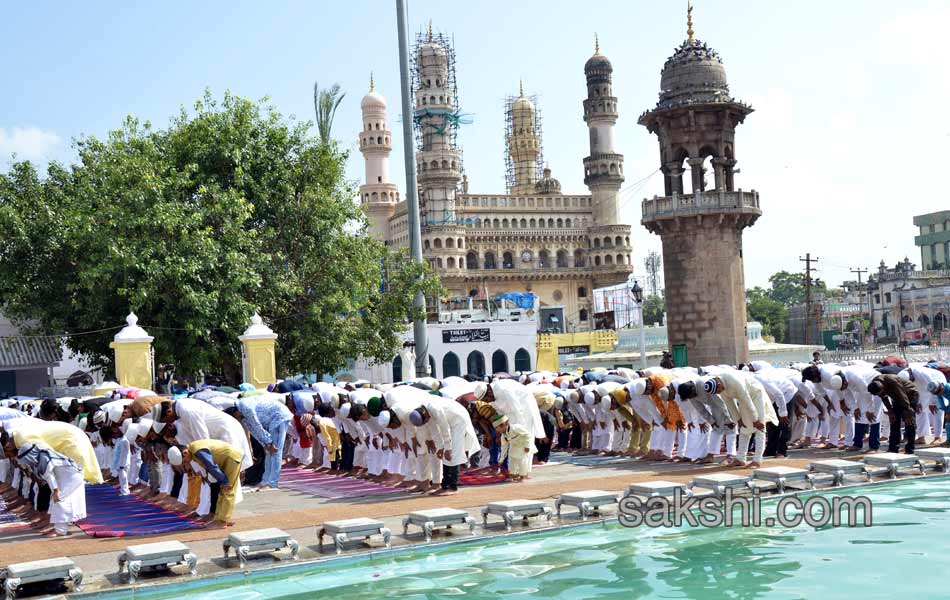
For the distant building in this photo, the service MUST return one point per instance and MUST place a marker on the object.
(934, 240)
(907, 304)
(26, 362)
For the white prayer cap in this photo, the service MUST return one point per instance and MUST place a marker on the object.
(638, 386)
(326, 396)
(558, 403)
(589, 398)
(158, 426)
(64, 403)
(115, 413)
(904, 374)
(605, 403)
(481, 388)
(174, 456)
(82, 423)
(664, 392)
(99, 418)
(143, 427)
(126, 425)
(574, 396)
(345, 410)
(837, 382)
(383, 418)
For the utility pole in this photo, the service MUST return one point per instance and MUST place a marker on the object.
(808, 260)
(412, 198)
(861, 271)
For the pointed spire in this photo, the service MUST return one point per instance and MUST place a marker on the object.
(372, 84)
(430, 30)
(689, 20)
(596, 44)
(521, 84)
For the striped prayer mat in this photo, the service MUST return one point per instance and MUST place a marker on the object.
(330, 486)
(10, 522)
(112, 515)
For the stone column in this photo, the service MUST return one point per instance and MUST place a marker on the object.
(729, 168)
(133, 355)
(719, 170)
(674, 176)
(258, 359)
(696, 170)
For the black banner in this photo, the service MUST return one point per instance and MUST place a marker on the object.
(573, 350)
(454, 336)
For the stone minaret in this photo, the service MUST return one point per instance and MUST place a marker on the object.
(438, 160)
(524, 145)
(603, 173)
(378, 196)
(603, 169)
(695, 120)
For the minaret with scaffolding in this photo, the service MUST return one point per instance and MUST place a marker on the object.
(523, 160)
(436, 119)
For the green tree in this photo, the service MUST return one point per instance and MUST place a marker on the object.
(789, 288)
(228, 210)
(325, 103)
(773, 315)
(653, 309)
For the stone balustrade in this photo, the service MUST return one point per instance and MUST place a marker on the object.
(701, 203)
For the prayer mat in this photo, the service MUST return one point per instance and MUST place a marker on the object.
(10, 522)
(331, 486)
(482, 478)
(112, 515)
(593, 460)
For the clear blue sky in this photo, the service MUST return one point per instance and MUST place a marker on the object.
(850, 96)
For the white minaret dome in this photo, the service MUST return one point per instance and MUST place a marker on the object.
(373, 99)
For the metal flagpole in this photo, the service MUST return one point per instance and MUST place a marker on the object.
(412, 200)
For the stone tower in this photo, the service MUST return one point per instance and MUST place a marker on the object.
(695, 121)
(438, 158)
(524, 145)
(603, 169)
(378, 195)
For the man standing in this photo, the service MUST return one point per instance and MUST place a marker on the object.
(900, 398)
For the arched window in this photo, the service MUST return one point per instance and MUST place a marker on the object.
(508, 260)
(618, 241)
(562, 258)
(560, 222)
(427, 247)
(397, 369)
(437, 242)
(471, 260)
(497, 223)
(579, 258)
(438, 262)
(450, 365)
(524, 223)
(449, 242)
(550, 222)
(567, 222)
(596, 242)
(504, 223)
(450, 262)
(620, 259)
(476, 364)
(583, 314)
(499, 362)
(490, 262)
(532, 223)
(522, 360)
(596, 261)
(582, 292)
(606, 242)
(432, 367)
(608, 260)
(461, 243)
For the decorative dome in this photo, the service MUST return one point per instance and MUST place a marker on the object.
(597, 62)
(694, 74)
(373, 99)
(547, 184)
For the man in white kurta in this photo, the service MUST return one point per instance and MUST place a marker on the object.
(65, 480)
(754, 411)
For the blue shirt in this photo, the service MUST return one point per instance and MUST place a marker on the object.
(261, 416)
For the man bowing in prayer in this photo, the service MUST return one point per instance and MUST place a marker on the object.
(222, 462)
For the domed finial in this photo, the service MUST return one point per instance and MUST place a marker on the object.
(596, 44)
(689, 20)
(521, 84)
(430, 30)
(372, 85)
(256, 319)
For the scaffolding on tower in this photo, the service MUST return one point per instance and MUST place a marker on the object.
(510, 163)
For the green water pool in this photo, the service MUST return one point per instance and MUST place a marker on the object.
(902, 554)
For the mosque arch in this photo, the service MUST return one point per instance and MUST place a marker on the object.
(476, 364)
(397, 369)
(522, 360)
(450, 365)
(499, 362)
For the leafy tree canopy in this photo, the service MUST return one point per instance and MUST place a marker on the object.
(653, 309)
(230, 209)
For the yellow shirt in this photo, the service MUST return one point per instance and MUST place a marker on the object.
(227, 457)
